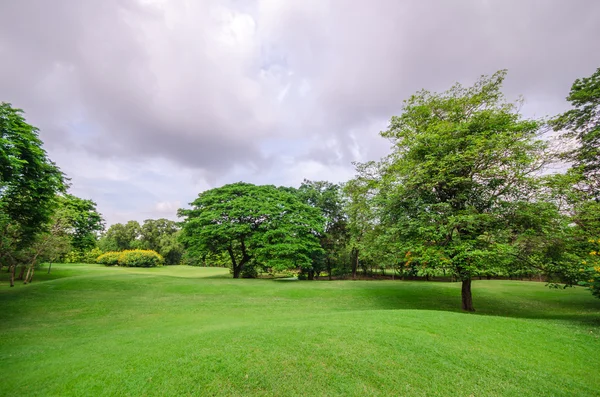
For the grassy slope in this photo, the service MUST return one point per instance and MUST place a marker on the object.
(191, 331)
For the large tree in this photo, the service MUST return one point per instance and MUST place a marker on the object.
(462, 163)
(29, 184)
(263, 225)
(579, 188)
(582, 125)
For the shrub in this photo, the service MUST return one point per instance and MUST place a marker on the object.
(91, 255)
(109, 258)
(140, 258)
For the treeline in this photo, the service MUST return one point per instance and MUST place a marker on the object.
(469, 189)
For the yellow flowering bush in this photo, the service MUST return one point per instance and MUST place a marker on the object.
(108, 259)
(131, 258)
(592, 270)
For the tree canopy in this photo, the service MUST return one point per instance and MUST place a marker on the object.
(254, 225)
(462, 163)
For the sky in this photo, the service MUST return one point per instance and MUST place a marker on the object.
(146, 103)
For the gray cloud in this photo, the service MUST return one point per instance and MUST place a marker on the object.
(262, 90)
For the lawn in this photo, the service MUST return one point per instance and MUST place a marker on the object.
(88, 330)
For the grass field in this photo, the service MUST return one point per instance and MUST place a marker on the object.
(87, 330)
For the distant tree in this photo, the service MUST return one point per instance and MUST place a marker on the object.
(328, 198)
(463, 161)
(121, 237)
(161, 235)
(262, 225)
(29, 184)
(361, 209)
(82, 221)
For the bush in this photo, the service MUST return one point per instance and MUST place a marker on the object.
(140, 258)
(109, 258)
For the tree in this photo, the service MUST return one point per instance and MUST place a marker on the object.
(120, 237)
(582, 124)
(360, 208)
(262, 225)
(81, 219)
(461, 162)
(579, 188)
(161, 235)
(327, 197)
(29, 184)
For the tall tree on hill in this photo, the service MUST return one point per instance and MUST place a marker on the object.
(263, 225)
(461, 162)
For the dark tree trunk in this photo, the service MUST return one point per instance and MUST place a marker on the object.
(49, 267)
(329, 269)
(12, 275)
(237, 269)
(311, 274)
(467, 298)
(355, 264)
(21, 273)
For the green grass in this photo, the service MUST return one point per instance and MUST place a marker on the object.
(87, 330)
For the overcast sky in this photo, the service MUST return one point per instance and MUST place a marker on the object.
(146, 103)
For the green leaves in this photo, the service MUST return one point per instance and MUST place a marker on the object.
(265, 224)
(29, 180)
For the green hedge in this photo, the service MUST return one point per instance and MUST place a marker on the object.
(131, 258)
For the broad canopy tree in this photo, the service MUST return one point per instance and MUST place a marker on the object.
(262, 225)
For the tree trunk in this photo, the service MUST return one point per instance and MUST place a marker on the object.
(21, 273)
(236, 269)
(12, 275)
(49, 267)
(31, 275)
(467, 298)
(355, 264)
(311, 274)
(27, 276)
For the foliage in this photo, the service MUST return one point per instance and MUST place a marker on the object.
(591, 269)
(110, 258)
(161, 235)
(131, 258)
(29, 183)
(264, 224)
(140, 258)
(328, 198)
(89, 256)
(463, 165)
(121, 237)
(81, 220)
(582, 124)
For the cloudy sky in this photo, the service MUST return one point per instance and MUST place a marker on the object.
(146, 103)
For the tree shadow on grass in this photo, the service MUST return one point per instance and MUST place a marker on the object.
(513, 299)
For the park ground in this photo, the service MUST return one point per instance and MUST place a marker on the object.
(89, 330)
